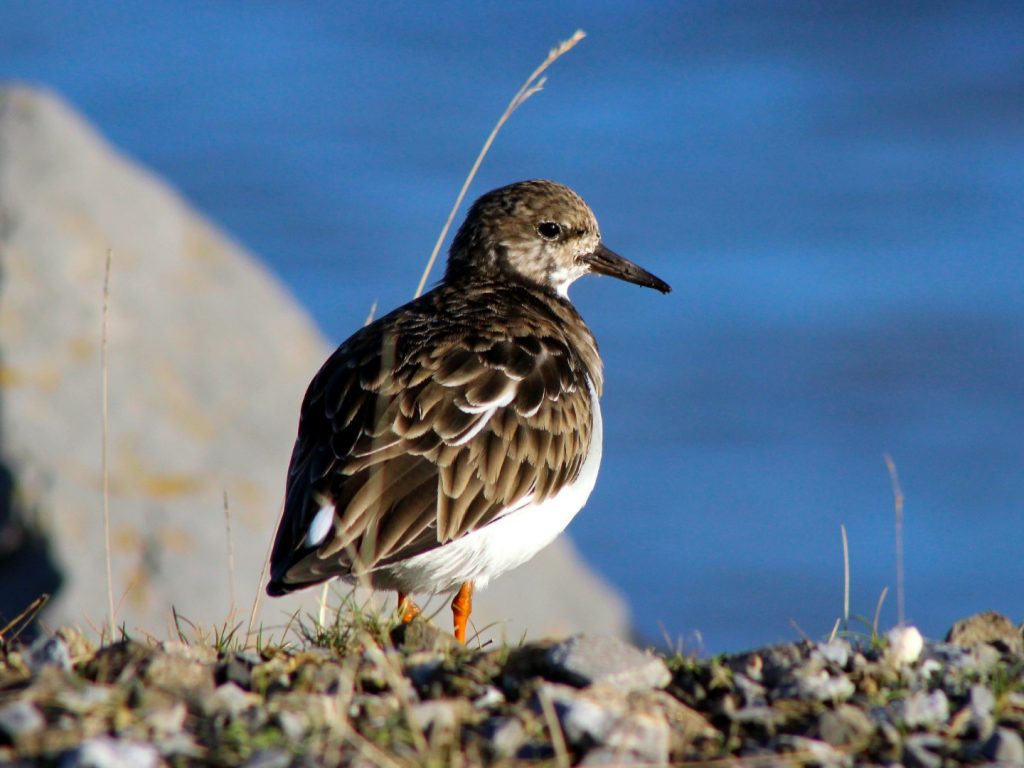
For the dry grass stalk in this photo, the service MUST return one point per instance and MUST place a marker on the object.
(562, 757)
(105, 410)
(878, 611)
(534, 83)
(897, 494)
(846, 576)
(231, 553)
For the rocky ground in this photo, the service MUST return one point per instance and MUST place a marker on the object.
(373, 694)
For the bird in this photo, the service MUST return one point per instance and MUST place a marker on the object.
(452, 439)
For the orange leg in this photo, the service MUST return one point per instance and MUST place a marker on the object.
(408, 608)
(462, 606)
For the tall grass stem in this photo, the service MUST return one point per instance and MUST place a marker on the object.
(533, 84)
(897, 495)
(105, 419)
(231, 553)
(846, 578)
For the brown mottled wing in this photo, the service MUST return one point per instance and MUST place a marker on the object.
(417, 440)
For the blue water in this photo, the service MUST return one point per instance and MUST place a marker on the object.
(835, 191)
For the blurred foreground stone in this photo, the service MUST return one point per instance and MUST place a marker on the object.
(209, 358)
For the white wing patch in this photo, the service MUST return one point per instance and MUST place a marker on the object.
(320, 527)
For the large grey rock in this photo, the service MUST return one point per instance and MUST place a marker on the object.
(209, 358)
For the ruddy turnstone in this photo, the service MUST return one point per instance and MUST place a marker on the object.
(454, 438)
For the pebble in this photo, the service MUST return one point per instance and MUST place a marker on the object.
(989, 628)
(294, 725)
(924, 709)
(845, 725)
(981, 703)
(230, 699)
(19, 719)
(587, 659)
(105, 752)
(235, 669)
(48, 650)
(816, 752)
(584, 721)
(180, 672)
(836, 651)
(637, 739)
(923, 750)
(490, 698)
(423, 667)
(905, 645)
(438, 715)
(269, 758)
(505, 735)
(1005, 747)
(821, 686)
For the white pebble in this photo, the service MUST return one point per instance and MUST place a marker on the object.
(905, 645)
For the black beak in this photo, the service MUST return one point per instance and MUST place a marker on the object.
(605, 261)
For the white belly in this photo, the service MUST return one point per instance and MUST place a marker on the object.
(502, 545)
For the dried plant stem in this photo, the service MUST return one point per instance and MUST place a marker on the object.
(562, 757)
(322, 613)
(835, 631)
(104, 469)
(533, 84)
(262, 581)
(231, 553)
(878, 611)
(897, 494)
(14, 627)
(846, 577)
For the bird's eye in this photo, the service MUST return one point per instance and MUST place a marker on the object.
(549, 230)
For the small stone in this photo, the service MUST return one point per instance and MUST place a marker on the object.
(585, 722)
(19, 719)
(179, 673)
(230, 699)
(106, 752)
(925, 709)
(420, 635)
(235, 669)
(435, 716)
(905, 645)
(814, 752)
(980, 705)
(687, 725)
(82, 700)
(505, 736)
(1005, 747)
(48, 651)
(977, 659)
(167, 720)
(753, 692)
(836, 651)
(821, 686)
(989, 628)
(491, 697)
(294, 725)
(763, 716)
(200, 652)
(923, 750)
(845, 725)
(638, 739)
(587, 659)
(421, 667)
(269, 758)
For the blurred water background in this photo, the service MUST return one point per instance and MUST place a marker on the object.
(834, 189)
